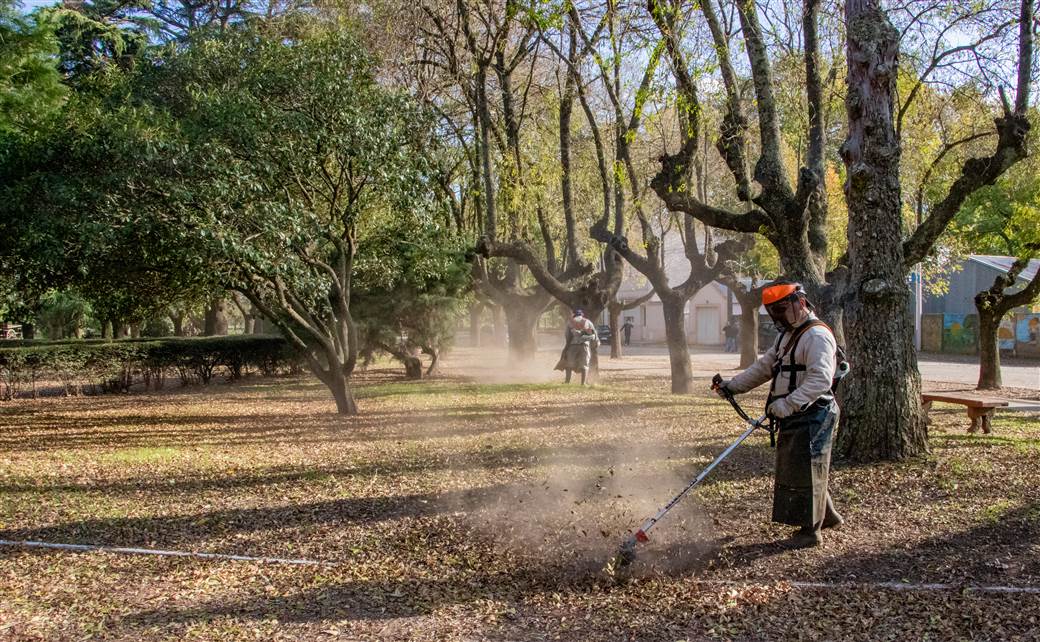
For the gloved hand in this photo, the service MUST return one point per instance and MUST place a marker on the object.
(722, 388)
(780, 409)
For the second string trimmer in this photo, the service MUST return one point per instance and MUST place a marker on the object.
(627, 552)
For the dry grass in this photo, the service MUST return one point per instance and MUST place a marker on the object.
(463, 510)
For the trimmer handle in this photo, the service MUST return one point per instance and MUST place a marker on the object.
(716, 381)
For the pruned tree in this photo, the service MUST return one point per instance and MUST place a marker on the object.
(993, 304)
(481, 63)
(591, 292)
(869, 281)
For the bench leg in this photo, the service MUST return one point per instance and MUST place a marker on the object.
(987, 416)
(974, 414)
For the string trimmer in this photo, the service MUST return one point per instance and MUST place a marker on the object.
(627, 552)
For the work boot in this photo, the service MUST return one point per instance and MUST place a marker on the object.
(805, 537)
(831, 518)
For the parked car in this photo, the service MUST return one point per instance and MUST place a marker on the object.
(603, 332)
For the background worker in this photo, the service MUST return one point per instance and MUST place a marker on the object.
(801, 365)
(626, 330)
(731, 332)
(580, 339)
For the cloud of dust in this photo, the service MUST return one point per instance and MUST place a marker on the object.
(573, 508)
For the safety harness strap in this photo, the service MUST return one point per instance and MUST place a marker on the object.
(791, 367)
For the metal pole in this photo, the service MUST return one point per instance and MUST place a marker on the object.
(918, 304)
(640, 535)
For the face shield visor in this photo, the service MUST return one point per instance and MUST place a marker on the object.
(784, 304)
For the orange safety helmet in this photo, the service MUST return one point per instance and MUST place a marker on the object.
(779, 291)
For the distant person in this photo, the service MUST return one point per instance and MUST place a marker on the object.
(801, 365)
(626, 331)
(579, 340)
(731, 332)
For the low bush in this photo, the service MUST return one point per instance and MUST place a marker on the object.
(114, 366)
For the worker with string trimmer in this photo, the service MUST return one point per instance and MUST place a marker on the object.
(801, 364)
(805, 365)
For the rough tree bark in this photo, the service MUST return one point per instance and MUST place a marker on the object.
(674, 308)
(993, 304)
(881, 403)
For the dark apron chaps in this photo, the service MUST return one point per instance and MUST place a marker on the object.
(803, 460)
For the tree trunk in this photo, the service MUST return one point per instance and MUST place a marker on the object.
(678, 350)
(340, 387)
(881, 409)
(989, 350)
(435, 356)
(107, 330)
(135, 330)
(499, 323)
(178, 324)
(749, 302)
(474, 324)
(216, 323)
(412, 367)
(28, 331)
(748, 335)
(522, 321)
(993, 304)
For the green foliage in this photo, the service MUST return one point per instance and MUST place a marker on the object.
(116, 365)
(1003, 218)
(95, 34)
(62, 314)
(409, 290)
(30, 86)
(72, 214)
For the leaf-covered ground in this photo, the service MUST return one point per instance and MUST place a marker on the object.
(462, 508)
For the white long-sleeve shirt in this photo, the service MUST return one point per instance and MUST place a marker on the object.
(816, 350)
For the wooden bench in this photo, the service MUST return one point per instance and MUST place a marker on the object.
(980, 409)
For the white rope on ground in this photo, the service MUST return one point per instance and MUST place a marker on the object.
(86, 548)
(910, 586)
(894, 586)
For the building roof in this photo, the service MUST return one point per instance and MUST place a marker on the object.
(1004, 263)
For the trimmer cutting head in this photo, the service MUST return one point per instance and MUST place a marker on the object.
(625, 556)
(627, 552)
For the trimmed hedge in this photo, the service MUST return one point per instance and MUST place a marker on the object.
(114, 366)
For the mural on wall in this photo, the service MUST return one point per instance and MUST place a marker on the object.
(1006, 334)
(1028, 330)
(959, 332)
